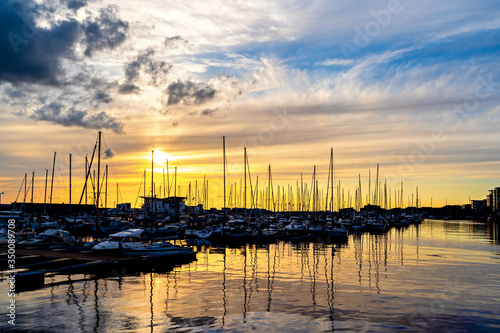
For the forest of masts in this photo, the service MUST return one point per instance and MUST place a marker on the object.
(304, 196)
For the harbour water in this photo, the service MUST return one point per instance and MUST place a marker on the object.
(439, 276)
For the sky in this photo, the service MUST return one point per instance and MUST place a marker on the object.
(411, 85)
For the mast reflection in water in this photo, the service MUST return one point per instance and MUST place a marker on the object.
(438, 276)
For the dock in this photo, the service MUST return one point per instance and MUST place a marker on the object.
(32, 266)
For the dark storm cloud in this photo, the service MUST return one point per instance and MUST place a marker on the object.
(106, 31)
(58, 114)
(33, 55)
(189, 92)
(145, 61)
(50, 56)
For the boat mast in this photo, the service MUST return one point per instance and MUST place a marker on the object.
(106, 195)
(224, 167)
(401, 202)
(360, 196)
(45, 193)
(152, 193)
(256, 204)
(314, 190)
(369, 186)
(269, 190)
(377, 189)
(301, 192)
(98, 179)
(86, 168)
(175, 182)
(25, 192)
(87, 174)
(69, 184)
(168, 181)
(328, 184)
(245, 189)
(33, 185)
(385, 193)
(52, 183)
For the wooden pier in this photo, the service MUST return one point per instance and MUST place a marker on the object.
(33, 265)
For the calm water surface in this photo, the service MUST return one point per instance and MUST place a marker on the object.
(440, 276)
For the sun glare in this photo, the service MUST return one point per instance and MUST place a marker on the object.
(160, 157)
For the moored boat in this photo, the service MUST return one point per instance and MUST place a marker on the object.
(337, 231)
(164, 249)
(123, 240)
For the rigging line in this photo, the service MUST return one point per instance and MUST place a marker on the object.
(63, 186)
(88, 172)
(100, 187)
(18, 193)
(139, 192)
(251, 188)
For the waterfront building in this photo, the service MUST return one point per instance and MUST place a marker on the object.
(170, 205)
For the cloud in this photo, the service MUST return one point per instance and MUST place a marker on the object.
(145, 61)
(76, 4)
(34, 54)
(336, 62)
(43, 56)
(189, 93)
(108, 153)
(127, 88)
(102, 97)
(175, 42)
(106, 31)
(208, 112)
(29, 53)
(56, 113)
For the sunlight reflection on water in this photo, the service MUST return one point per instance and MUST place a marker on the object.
(439, 276)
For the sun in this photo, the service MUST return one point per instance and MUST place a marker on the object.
(161, 157)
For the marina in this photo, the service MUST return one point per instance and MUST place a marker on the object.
(409, 278)
(308, 262)
(262, 166)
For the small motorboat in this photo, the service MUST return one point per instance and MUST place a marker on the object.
(163, 249)
(296, 226)
(337, 231)
(50, 238)
(123, 240)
